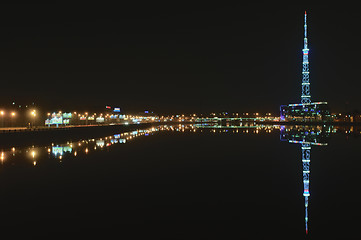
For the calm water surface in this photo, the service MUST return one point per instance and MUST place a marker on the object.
(187, 182)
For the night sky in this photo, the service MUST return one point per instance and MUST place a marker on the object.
(178, 58)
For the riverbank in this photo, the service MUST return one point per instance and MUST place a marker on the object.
(60, 128)
(310, 123)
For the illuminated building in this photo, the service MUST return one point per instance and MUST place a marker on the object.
(305, 112)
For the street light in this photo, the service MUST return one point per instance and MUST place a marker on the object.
(33, 115)
(13, 114)
(86, 118)
(2, 118)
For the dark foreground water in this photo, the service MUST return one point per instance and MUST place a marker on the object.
(186, 183)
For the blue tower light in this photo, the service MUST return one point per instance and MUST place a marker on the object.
(306, 160)
(306, 94)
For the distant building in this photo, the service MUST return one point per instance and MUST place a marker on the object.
(305, 112)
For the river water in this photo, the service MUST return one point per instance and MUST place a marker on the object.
(187, 182)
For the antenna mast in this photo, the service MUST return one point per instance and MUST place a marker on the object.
(306, 94)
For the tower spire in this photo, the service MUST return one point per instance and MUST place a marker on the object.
(306, 95)
(305, 35)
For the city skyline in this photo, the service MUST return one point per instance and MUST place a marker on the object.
(168, 58)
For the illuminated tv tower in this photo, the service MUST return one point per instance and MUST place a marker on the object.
(306, 94)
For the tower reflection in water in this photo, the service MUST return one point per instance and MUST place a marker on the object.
(306, 136)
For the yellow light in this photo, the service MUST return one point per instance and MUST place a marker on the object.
(2, 113)
(13, 114)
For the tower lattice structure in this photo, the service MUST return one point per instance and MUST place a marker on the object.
(306, 94)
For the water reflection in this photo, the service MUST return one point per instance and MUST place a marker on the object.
(15, 156)
(306, 136)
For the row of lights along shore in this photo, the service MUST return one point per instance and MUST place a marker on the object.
(12, 114)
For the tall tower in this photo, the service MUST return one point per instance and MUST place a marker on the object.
(306, 94)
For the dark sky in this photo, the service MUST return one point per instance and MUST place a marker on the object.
(178, 58)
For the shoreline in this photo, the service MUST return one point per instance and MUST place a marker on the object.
(76, 128)
(310, 123)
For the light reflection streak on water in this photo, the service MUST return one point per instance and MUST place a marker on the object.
(87, 146)
(306, 136)
(74, 149)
